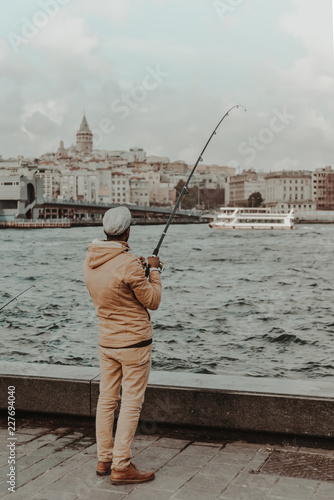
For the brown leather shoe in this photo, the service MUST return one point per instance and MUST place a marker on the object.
(130, 475)
(103, 468)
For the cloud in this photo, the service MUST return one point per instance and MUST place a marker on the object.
(93, 53)
(39, 124)
(4, 51)
(54, 111)
(311, 24)
(69, 36)
(115, 10)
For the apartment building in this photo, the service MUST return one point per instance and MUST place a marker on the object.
(75, 184)
(239, 187)
(120, 187)
(323, 188)
(140, 191)
(289, 189)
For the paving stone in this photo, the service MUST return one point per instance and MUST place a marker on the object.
(91, 450)
(171, 443)
(38, 456)
(200, 450)
(103, 495)
(39, 468)
(3, 433)
(60, 431)
(53, 495)
(74, 485)
(216, 469)
(50, 476)
(326, 490)
(259, 480)
(310, 483)
(152, 494)
(4, 487)
(176, 470)
(229, 458)
(33, 431)
(244, 446)
(35, 443)
(190, 460)
(120, 488)
(213, 445)
(165, 482)
(188, 492)
(154, 458)
(3, 459)
(24, 438)
(292, 490)
(146, 437)
(210, 482)
(257, 460)
(234, 465)
(240, 492)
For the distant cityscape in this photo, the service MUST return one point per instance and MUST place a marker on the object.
(83, 174)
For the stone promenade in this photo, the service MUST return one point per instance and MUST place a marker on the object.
(56, 462)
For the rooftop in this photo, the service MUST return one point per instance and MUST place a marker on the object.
(84, 127)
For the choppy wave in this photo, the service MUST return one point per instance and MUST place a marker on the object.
(253, 303)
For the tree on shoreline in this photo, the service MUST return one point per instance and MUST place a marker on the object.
(255, 200)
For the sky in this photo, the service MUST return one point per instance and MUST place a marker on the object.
(160, 74)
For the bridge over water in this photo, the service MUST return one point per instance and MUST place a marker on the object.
(91, 213)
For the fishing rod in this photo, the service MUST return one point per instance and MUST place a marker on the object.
(16, 297)
(184, 189)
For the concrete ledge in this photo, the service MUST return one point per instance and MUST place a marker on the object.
(48, 388)
(298, 407)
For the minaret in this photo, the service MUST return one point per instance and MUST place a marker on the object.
(61, 150)
(84, 137)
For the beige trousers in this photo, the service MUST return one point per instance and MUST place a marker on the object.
(129, 368)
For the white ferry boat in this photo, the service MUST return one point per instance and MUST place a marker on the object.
(251, 218)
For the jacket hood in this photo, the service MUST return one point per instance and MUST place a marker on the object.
(100, 252)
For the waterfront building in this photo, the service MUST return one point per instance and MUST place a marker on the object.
(161, 190)
(289, 189)
(12, 164)
(239, 187)
(113, 186)
(323, 188)
(19, 194)
(49, 172)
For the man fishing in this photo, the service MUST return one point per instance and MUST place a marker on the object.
(122, 295)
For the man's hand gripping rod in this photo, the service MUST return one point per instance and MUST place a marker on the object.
(184, 189)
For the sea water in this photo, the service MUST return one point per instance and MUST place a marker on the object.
(255, 303)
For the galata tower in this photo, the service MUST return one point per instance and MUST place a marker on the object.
(84, 137)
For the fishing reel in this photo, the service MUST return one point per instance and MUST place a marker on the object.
(160, 268)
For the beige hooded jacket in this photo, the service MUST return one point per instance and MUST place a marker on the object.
(121, 293)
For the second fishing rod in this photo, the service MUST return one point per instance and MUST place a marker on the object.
(184, 189)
